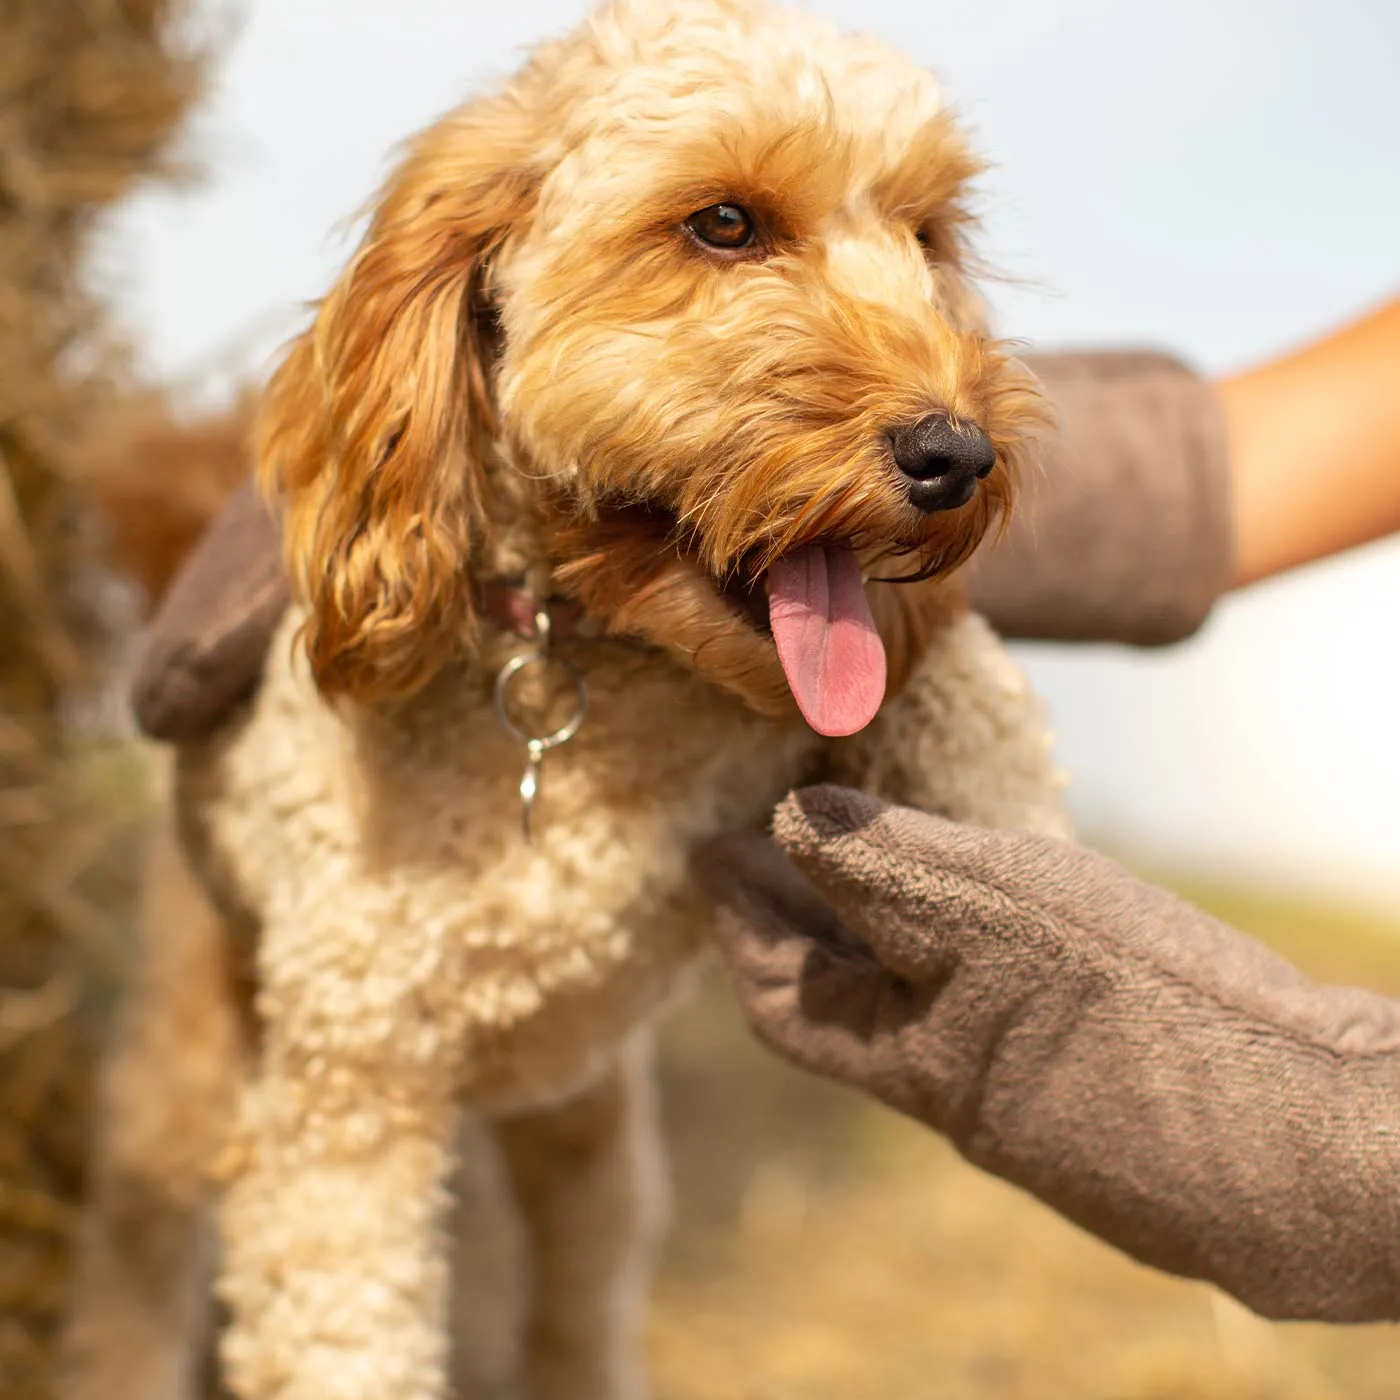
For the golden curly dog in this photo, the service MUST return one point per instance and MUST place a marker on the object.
(666, 349)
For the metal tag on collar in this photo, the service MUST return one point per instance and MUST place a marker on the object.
(537, 745)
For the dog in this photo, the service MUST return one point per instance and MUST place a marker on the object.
(624, 477)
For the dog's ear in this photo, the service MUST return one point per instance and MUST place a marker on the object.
(374, 431)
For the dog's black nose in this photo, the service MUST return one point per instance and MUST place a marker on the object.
(941, 460)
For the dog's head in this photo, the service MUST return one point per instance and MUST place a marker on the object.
(683, 310)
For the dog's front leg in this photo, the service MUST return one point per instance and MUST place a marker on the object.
(588, 1179)
(966, 738)
(335, 1265)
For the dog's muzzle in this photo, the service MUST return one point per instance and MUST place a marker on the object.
(941, 461)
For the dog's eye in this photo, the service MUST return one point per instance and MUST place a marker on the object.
(939, 243)
(726, 226)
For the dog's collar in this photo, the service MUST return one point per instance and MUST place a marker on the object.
(512, 604)
(541, 621)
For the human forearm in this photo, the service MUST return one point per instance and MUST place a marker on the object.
(1314, 439)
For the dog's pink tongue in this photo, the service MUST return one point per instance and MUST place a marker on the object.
(831, 653)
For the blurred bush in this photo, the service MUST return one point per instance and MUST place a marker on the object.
(92, 95)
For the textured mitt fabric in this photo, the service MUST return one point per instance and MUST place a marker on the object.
(1124, 535)
(1156, 1077)
(204, 650)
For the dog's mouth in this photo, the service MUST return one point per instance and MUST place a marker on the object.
(815, 609)
(811, 604)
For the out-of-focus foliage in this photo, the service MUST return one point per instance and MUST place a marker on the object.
(92, 93)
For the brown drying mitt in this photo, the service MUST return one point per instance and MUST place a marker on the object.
(204, 650)
(1160, 1079)
(1125, 535)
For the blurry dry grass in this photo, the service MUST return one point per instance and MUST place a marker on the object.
(91, 92)
(825, 1248)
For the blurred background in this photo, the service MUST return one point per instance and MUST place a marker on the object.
(1216, 178)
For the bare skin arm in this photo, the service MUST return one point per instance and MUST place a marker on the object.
(1314, 439)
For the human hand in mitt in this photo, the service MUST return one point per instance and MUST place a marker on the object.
(1151, 1074)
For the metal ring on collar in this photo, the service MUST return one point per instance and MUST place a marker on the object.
(565, 732)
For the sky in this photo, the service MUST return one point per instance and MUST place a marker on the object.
(1216, 178)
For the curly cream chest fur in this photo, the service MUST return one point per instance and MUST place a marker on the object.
(400, 907)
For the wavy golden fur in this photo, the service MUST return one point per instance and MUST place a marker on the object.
(528, 347)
